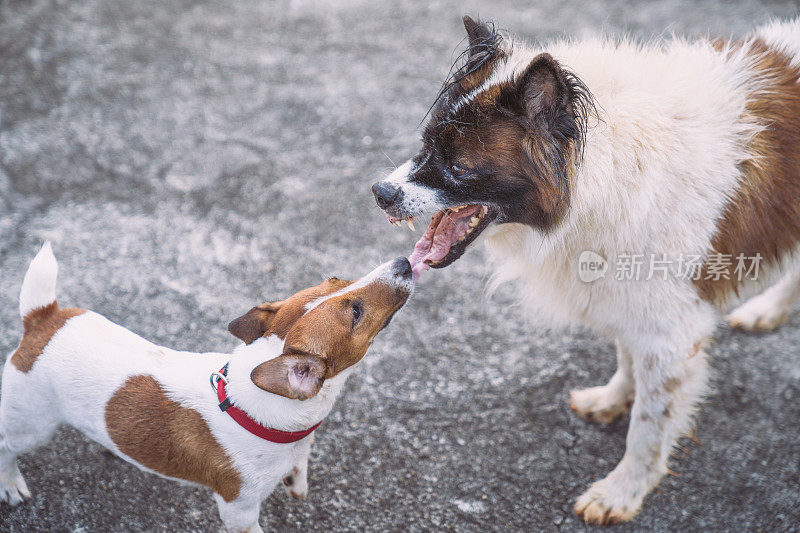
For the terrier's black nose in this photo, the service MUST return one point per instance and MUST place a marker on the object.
(385, 194)
(401, 267)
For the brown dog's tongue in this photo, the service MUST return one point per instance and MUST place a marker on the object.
(435, 243)
(423, 247)
(442, 239)
(424, 244)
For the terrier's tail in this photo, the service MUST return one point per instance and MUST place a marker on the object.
(39, 285)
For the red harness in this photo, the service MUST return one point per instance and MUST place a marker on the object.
(244, 420)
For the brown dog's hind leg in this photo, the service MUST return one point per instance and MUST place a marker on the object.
(769, 309)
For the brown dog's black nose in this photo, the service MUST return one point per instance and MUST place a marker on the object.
(385, 194)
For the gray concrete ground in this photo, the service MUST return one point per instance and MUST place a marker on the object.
(189, 159)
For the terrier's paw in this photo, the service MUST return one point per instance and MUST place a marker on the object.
(296, 485)
(13, 490)
(599, 404)
(758, 315)
(605, 503)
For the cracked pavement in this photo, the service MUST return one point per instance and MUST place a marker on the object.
(191, 159)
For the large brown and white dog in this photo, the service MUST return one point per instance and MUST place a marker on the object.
(154, 406)
(677, 162)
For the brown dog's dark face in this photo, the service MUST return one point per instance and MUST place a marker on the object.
(501, 145)
(326, 329)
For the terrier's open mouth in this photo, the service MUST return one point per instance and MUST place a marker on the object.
(448, 235)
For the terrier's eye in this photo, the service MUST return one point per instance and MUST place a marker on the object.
(458, 171)
(358, 310)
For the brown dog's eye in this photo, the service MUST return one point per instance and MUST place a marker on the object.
(458, 171)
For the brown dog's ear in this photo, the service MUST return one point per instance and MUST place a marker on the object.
(543, 88)
(255, 322)
(543, 98)
(295, 375)
(479, 34)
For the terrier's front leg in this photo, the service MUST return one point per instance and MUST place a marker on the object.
(240, 515)
(295, 483)
(669, 384)
(12, 485)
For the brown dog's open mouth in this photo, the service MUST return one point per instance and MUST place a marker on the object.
(448, 235)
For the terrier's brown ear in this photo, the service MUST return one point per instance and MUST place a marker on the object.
(255, 322)
(294, 374)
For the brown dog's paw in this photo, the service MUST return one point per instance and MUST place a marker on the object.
(605, 504)
(765, 312)
(743, 320)
(597, 404)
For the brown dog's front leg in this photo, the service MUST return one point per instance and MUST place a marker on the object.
(670, 381)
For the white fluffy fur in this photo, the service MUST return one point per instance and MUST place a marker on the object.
(90, 357)
(784, 36)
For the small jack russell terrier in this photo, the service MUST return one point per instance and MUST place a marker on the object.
(154, 406)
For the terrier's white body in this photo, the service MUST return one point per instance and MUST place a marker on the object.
(88, 360)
